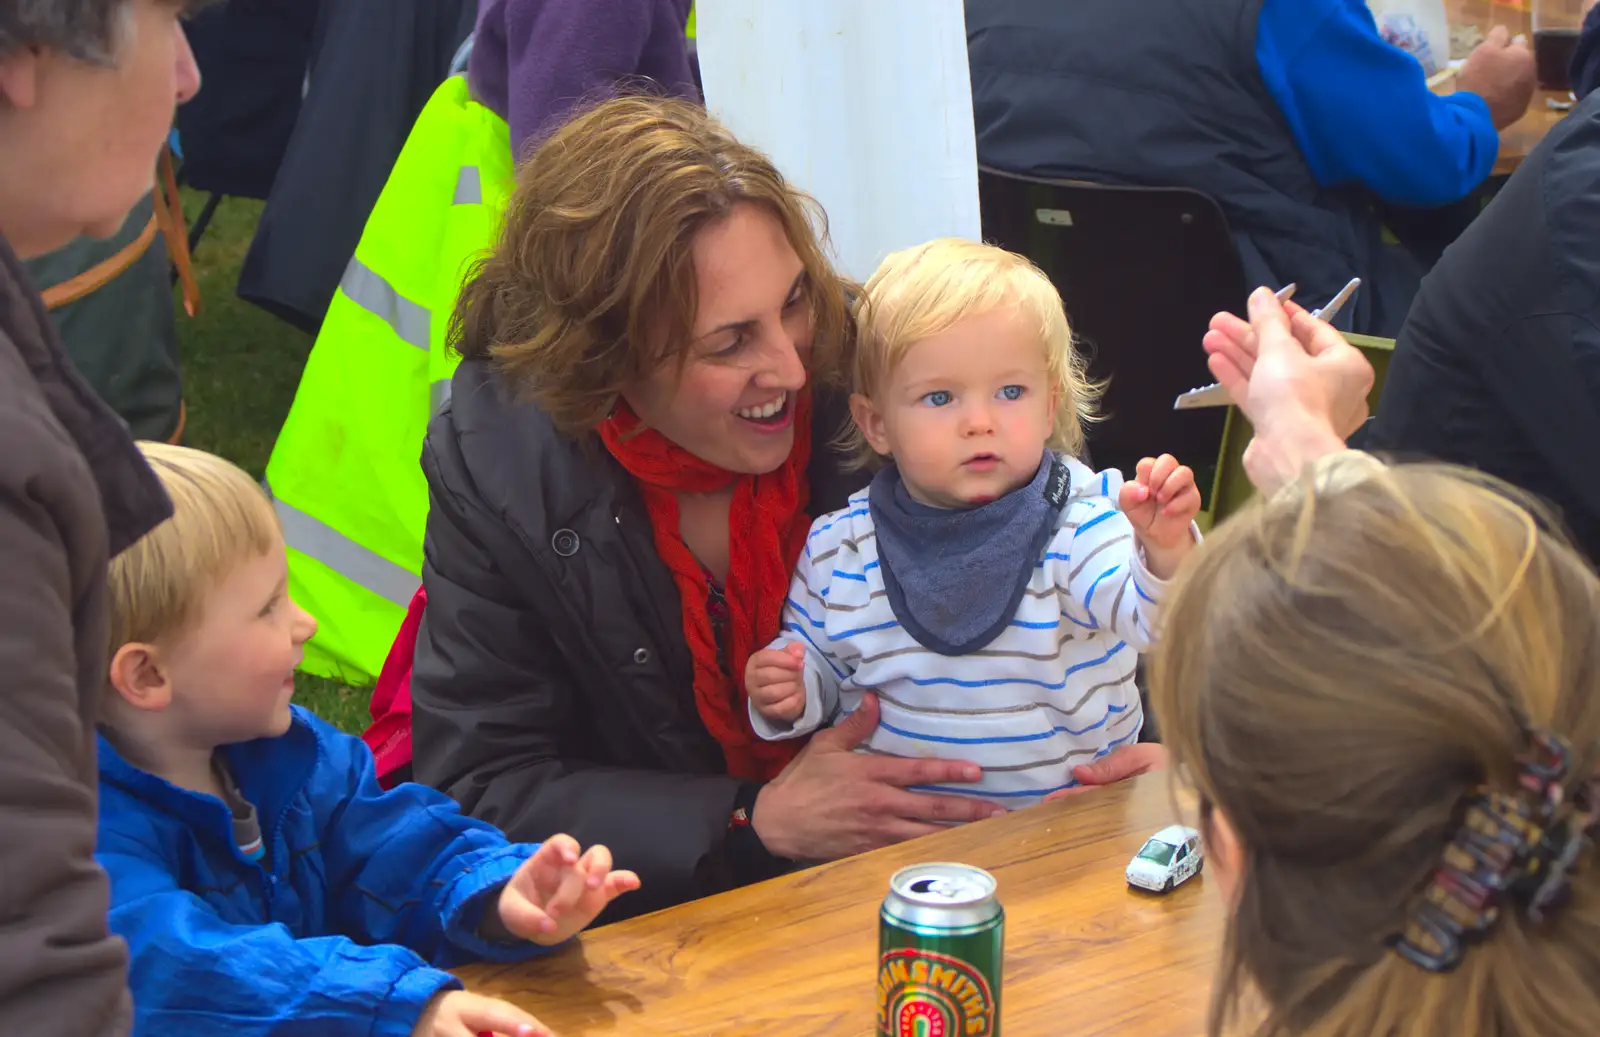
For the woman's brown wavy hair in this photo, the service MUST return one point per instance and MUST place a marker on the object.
(1339, 666)
(591, 284)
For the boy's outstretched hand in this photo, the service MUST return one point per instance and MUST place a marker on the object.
(1161, 503)
(556, 892)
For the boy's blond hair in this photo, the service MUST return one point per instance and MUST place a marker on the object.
(920, 292)
(220, 518)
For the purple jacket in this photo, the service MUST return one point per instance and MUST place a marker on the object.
(534, 61)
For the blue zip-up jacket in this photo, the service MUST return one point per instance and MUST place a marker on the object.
(1361, 109)
(366, 896)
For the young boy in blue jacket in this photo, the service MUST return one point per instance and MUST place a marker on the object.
(264, 882)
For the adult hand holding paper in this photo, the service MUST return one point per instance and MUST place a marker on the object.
(1303, 387)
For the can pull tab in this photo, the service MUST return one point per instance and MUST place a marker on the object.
(945, 888)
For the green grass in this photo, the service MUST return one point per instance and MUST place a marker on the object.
(343, 707)
(240, 369)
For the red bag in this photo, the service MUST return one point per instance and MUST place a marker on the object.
(389, 737)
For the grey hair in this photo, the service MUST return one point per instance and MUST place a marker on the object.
(89, 30)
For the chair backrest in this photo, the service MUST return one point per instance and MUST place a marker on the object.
(1142, 271)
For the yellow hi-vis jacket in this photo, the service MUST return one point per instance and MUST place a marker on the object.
(345, 474)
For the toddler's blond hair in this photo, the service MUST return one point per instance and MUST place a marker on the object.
(220, 519)
(920, 292)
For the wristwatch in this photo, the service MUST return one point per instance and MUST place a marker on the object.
(748, 856)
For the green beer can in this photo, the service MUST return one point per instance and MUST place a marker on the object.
(941, 941)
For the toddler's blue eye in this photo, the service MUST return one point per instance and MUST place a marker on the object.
(1011, 392)
(937, 398)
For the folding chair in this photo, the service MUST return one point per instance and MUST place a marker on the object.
(1142, 270)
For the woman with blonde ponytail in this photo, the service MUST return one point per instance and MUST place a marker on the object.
(1384, 684)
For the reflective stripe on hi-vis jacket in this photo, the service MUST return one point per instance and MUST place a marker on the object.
(344, 474)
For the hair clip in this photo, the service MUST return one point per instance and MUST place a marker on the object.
(1542, 767)
(1547, 882)
(1461, 901)
(1505, 843)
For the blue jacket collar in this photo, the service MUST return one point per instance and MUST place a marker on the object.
(271, 772)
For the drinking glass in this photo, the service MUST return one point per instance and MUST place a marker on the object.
(1556, 24)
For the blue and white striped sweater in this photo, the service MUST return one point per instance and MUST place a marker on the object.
(1054, 691)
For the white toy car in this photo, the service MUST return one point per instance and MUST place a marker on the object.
(1171, 857)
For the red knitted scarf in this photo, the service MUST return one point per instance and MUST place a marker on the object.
(768, 526)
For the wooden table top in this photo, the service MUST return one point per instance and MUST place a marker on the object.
(1085, 955)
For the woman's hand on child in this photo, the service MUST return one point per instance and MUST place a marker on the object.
(556, 892)
(774, 678)
(1129, 761)
(456, 1013)
(831, 801)
(1161, 504)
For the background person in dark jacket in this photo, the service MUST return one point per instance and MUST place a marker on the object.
(593, 593)
(87, 91)
(1498, 365)
(1292, 114)
(374, 64)
(1586, 58)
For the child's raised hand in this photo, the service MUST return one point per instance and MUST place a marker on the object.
(456, 1013)
(556, 892)
(1161, 503)
(774, 678)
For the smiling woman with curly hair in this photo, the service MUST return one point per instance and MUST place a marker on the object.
(620, 485)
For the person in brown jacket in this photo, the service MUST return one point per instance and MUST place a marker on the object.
(87, 93)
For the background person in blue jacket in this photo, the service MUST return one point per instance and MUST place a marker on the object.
(1295, 115)
(264, 883)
